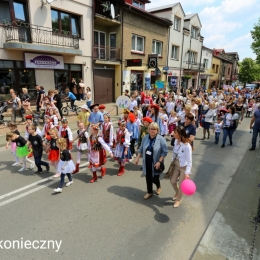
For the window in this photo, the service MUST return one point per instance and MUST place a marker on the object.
(65, 22)
(193, 57)
(138, 4)
(99, 45)
(217, 68)
(213, 67)
(157, 48)
(228, 71)
(175, 52)
(206, 62)
(194, 32)
(19, 11)
(177, 23)
(137, 43)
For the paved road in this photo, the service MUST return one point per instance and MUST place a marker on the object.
(109, 219)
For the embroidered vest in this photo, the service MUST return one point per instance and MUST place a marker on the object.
(106, 133)
(64, 133)
(82, 137)
(95, 144)
(120, 137)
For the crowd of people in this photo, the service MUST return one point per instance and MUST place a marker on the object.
(143, 125)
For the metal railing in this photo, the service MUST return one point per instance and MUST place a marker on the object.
(29, 33)
(106, 53)
(195, 65)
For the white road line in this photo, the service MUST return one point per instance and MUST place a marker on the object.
(26, 193)
(24, 188)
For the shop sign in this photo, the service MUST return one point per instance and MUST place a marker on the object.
(173, 81)
(42, 61)
(159, 84)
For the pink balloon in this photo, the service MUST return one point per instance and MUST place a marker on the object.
(188, 187)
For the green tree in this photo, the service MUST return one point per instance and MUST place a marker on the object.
(256, 41)
(249, 71)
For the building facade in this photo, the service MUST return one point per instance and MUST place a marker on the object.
(206, 59)
(45, 44)
(216, 76)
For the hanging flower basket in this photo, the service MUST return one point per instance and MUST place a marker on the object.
(188, 76)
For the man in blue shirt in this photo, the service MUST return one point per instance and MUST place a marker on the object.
(256, 128)
(70, 97)
(96, 117)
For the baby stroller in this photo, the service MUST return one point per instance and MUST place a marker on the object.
(3, 108)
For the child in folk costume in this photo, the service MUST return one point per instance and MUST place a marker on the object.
(53, 151)
(83, 144)
(54, 118)
(65, 165)
(97, 154)
(124, 117)
(122, 151)
(144, 129)
(102, 109)
(13, 129)
(65, 132)
(21, 147)
(84, 115)
(107, 130)
(134, 132)
(172, 122)
(45, 131)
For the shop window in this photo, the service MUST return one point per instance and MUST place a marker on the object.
(157, 48)
(137, 43)
(13, 11)
(65, 22)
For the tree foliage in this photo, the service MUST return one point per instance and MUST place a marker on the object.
(256, 41)
(249, 71)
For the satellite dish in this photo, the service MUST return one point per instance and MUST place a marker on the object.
(112, 11)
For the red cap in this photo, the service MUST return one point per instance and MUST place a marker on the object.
(101, 106)
(155, 107)
(148, 119)
(28, 117)
(131, 117)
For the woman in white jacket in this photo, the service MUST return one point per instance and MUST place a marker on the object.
(182, 162)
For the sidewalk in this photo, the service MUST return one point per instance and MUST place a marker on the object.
(111, 108)
(230, 234)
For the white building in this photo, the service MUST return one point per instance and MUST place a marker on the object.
(185, 45)
(207, 61)
(45, 44)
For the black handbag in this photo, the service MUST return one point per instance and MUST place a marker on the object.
(161, 168)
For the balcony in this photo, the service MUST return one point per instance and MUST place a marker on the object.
(106, 53)
(194, 66)
(104, 11)
(19, 35)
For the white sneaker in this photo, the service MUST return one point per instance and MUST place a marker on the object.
(32, 166)
(69, 183)
(134, 155)
(130, 160)
(22, 170)
(58, 190)
(16, 164)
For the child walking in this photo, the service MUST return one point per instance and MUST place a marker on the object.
(53, 150)
(107, 130)
(65, 165)
(21, 148)
(35, 141)
(172, 123)
(83, 140)
(13, 129)
(218, 129)
(65, 132)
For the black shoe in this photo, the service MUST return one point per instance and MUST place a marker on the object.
(231, 143)
(48, 168)
(251, 149)
(38, 172)
(222, 146)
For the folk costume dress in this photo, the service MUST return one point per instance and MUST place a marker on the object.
(108, 133)
(122, 142)
(45, 132)
(97, 155)
(82, 146)
(54, 152)
(66, 133)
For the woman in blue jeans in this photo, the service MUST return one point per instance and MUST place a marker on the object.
(230, 122)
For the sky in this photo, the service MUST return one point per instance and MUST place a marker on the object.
(226, 24)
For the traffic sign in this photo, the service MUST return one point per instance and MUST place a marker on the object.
(165, 68)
